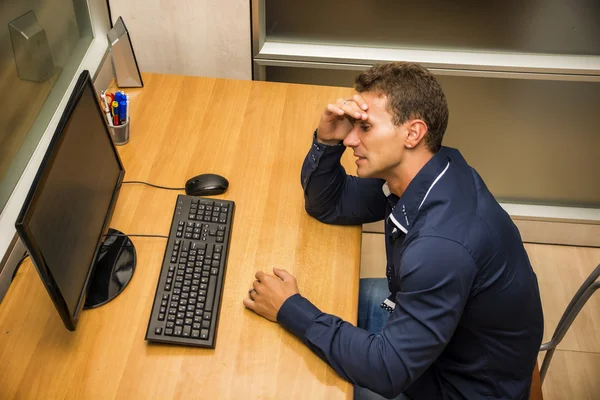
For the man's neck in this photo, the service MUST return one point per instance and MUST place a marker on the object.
(405, 172)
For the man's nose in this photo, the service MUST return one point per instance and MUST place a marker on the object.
(352, 139)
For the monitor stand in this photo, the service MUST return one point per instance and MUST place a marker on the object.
(114, 268)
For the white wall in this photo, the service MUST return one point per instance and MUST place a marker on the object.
(189, 37)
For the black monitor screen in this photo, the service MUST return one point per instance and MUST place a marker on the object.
(71, 200)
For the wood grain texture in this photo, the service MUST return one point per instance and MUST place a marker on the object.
(256, 134)
(189, 37)
(572, 375)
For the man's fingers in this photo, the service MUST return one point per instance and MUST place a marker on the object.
(257, 286)
(334, 109)
(259, 275)
(282, 274)
(360, 101)
(249, 303)
(353, 109)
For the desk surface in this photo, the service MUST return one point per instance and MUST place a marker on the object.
(256, 134)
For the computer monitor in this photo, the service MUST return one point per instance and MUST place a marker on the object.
(66, 214)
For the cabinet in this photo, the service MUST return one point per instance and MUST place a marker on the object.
(522, 80)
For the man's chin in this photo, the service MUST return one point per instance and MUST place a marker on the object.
(363, 173)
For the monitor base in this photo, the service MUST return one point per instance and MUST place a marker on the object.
(114, 268)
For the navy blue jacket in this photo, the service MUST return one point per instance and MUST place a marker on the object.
(467, 318)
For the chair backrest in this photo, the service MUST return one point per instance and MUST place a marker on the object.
(536, 385)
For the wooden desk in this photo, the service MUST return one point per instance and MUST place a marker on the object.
(256, 134)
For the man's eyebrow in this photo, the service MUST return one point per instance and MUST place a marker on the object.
(357, 120)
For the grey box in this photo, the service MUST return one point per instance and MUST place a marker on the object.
(125, 66)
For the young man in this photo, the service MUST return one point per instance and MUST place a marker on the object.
(462, 318)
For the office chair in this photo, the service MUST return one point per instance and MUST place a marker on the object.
(589, 286)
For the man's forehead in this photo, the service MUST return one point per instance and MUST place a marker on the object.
(377, 102)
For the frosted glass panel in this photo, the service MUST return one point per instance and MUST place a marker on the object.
(62, 33)
(530, 26)
(533, 141)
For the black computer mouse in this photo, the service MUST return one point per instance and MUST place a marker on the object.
(206, 185)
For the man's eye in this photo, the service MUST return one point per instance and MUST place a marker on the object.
(365, 128)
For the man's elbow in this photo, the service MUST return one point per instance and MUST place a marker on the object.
(385, 389)
(324, 216)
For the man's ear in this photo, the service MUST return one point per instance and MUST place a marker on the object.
(417, 129)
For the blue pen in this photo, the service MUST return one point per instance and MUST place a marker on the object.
(123, 111)
(119, 97)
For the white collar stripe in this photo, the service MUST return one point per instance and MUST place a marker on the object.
(386, 190)
(433, 184)
(403, 229)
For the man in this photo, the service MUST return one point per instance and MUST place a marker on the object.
(462, 318)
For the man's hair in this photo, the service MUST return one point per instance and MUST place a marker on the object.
(412, 92)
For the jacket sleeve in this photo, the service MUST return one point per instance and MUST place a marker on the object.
(435, 286)
(332, 196)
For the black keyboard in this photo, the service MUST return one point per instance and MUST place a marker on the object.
(188, 294)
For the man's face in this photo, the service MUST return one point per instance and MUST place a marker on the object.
(377, 142)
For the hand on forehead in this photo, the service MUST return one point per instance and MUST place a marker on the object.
(375, 104)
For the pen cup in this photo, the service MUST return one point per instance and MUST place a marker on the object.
(120, 134)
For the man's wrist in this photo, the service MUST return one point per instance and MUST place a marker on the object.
(326, 142)
(296, 314)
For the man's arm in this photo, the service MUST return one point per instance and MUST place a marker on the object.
(332, 196)
(434, 288)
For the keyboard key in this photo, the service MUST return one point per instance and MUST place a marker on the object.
(219, 239)
(169, 332)
(161, 316)
(212, 285)
(195, 334)
(158, 330)
(177, 331)
(204, 334)
(186, 331)
(196, 325)
(214, 271)
(206, 315)
(170, 324)
(206, 324)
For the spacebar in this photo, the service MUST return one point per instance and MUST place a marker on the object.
(210, 295)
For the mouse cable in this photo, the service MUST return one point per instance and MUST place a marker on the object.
(156, 186)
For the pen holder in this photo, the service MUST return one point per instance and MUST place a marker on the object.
(120, 134)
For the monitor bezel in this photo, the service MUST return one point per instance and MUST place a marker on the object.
(22, 224)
